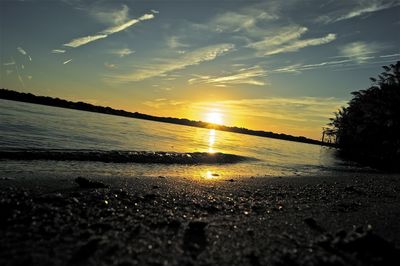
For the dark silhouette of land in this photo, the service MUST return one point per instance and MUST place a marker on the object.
(368, 129)
(44, 100)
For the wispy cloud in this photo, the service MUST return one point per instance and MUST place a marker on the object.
(113, 16)
(24, 52)
(110, 65)
(66, 62)
(57, 51)
(121, 27)
(360, 51)
(361, 7)
(160, 102)
(189, 59)
(249, 76)
(351, 62)
(389, 55)
(287, 39)
(245, 20)
(298, 68)
(173, 42)
(21, 50)
(154, 11)
(11, 63)
(84, 40)
(105, 33)
(122, 52)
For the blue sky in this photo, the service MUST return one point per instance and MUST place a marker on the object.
(283, 66)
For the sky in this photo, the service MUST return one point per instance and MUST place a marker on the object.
(281, 66)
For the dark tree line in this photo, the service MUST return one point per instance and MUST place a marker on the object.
(368, 129)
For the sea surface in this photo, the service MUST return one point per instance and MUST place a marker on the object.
(120, 146)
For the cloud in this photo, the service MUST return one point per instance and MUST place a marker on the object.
(189, 59)
(22, 51)
(57, 51)
(107, 16)
(66, 62)
(154, 11)
(360, 51)
(123, 52)
(287, 39)
(146, 17)
(84, 40)
(351, 62)
(109, 65)
(161, 102)
(121, 27)
(297, 45)
(173, 43)
(105, 33)
(243, 76)
(390, 55)
(360, 8)
(11, 63)
(298, 68)
(244, 20)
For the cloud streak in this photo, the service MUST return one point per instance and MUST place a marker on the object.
(250, 76)
(353, 62)
(361, 8)
(360, 51)
(116, 16)
(57, 51)
(287, 39)
(195, 57)
(105, 33)
(84, 40)
(122, 52)
(22, 51)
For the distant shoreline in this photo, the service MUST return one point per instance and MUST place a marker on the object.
(56, 102)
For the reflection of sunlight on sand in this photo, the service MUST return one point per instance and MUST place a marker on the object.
(211, 141)
(210, 175)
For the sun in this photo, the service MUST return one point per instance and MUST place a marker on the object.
(214, 117)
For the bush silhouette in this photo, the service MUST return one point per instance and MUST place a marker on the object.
(368, 129)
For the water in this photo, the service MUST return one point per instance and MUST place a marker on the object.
(29, 127)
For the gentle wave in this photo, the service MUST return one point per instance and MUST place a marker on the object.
(124, 156)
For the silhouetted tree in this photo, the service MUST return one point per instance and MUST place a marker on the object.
(369, 127)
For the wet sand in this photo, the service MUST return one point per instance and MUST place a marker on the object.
(342, 219)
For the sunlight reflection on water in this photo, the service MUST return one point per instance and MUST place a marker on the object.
(211, 140)
(31, 126)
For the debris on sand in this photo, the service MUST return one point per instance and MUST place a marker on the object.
(86, 183)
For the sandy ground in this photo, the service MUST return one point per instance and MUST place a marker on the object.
(345, 219)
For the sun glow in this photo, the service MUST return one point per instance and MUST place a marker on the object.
(214, 117)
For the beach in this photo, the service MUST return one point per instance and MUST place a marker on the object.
(347, 218)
